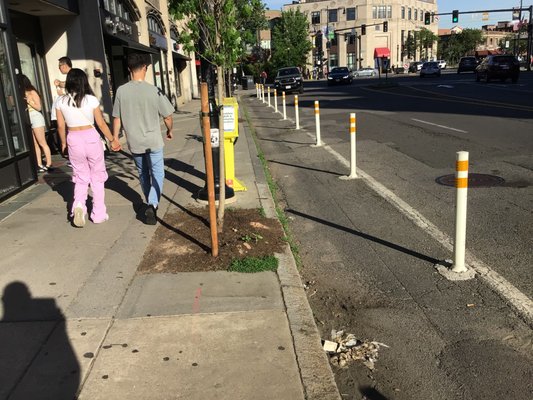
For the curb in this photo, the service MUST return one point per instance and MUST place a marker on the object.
(315, 372)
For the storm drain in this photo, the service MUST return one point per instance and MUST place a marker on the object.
(474, 180)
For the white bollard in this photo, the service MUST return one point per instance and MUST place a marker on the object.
(263, 93)
(317, 120)
(284, 106)
(297, 114)
(276, 100)
(353, 130)
(268, 89)
(257, 90)
(461, 184)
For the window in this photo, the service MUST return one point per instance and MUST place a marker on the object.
(351, 14)
(350, 61)
(403, 12)
(351, 39)
(117, 7)
(416, 14)
(409, 15)
(389, 12)
(374, 12)
(154, 25)
(315, 17)
(332, 15)
(333, 60)
(421, 15)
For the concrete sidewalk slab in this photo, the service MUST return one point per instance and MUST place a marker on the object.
(245, 355)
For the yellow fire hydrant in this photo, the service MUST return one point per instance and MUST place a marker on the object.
(231, 133)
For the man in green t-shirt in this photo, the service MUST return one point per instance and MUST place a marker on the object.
(138, 109)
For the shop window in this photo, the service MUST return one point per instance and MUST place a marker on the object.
(119, 7)
(350, 63)
(333, 60)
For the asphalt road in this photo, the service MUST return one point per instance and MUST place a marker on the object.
(368, 246)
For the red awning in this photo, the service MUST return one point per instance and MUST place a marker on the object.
(380, 52)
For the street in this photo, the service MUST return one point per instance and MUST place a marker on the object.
(368, 246)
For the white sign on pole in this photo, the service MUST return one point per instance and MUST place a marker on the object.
(215, 137)
(229, 118)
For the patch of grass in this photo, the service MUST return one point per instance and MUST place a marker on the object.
(255, 237)
(254, 264)
(289, 238)
(262, 212)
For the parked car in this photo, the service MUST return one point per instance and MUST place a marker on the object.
(366, 72)
(467, 64)
(500, 67)
(339, 75)
(415, 66)
(442, 64)
(430, 68)
(289, 80)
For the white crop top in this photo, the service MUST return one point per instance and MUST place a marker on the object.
(72, 114)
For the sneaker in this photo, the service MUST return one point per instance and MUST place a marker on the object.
(68, 164)
(106, 218)
(150, 215)
(42, 169)
(79, 217)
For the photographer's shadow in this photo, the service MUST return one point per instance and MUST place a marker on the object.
(37, 360)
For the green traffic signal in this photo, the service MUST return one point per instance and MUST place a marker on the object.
(427, 18)
(455, 16)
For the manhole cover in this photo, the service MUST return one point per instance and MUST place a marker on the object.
(474, 180)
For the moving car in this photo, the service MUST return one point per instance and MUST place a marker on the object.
(289, 80)
(442, 64)
(499, 67)
(415, 66)
(339, 75)
(467, 64)
(430, 68)
(366, 72)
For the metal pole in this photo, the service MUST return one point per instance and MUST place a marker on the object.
(317, 120)
(296, 111)
(461, 184)
(276, 100)
(284, 106)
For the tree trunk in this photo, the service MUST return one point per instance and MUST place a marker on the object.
(222, 170)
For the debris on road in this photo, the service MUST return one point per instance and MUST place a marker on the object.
(344, 349)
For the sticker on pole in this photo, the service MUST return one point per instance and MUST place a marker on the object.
(215, 137)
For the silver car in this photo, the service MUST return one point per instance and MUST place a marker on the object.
(430, 68)
(366, 72)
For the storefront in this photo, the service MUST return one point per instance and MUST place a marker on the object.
(180, 64)
(158, 41)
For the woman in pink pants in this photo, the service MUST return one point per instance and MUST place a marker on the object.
(77, 112)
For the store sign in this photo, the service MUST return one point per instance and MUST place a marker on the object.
(114, 25)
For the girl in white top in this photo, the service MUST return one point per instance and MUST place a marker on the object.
(77, 111)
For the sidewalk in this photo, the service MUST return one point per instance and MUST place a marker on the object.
(77, 319)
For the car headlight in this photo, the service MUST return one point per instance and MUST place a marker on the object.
(346, 77)
(298, 78)
(329, 77)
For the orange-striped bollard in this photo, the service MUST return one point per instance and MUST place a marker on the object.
(257, 89)
(461, 185)
(317, 120)
(353, 130)
(284, 106)
(276, 100)
(268, 89)
(297, 114)
(263, 93)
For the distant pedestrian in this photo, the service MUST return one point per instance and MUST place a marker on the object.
(77, 111)
(65, 65)
(263, 77)
(34, 107)
(138, 108)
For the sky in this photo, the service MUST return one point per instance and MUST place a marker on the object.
(466, 20)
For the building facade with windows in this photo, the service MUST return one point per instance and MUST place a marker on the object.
(353, 32)
(97, 35)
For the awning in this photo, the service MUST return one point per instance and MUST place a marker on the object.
(178, 56)
(380, 52)
(130, 44)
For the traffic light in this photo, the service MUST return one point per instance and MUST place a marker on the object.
(385, 26)
(363, 29)
(455, 16)
(427, 18)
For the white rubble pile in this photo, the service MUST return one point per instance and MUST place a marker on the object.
(344, 349)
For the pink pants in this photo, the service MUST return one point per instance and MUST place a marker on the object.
(86, 155)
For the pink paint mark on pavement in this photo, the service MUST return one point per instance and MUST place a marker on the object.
(196, 303)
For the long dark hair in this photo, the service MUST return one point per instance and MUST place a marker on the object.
(25, 84)
(77, 85)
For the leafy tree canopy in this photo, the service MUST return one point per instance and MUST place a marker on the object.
(290, 43)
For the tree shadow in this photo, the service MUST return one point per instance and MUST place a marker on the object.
(370, 393)
(36, 357)
(302, 167)
(374, 239)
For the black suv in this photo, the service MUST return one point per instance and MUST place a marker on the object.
(467, 64)
(289, 80)
(499, 67)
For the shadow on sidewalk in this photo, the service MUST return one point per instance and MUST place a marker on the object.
(366, 236)
(370, 393)
(36, 357)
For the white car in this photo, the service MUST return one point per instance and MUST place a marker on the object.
(366, 72)
(430, 68)
(442, 64)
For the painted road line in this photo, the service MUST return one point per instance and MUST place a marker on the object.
(439, 126)
(517, 300)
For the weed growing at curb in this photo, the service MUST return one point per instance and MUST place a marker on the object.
(254, 264)
(289, 238)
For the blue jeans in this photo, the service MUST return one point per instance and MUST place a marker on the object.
(151, 167)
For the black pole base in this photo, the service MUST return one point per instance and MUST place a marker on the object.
(202, 193)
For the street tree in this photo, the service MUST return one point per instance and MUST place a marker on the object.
(290, 43)
(461, 44)
(426, 40)
(211, 31)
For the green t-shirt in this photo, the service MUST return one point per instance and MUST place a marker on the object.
(140, 106)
